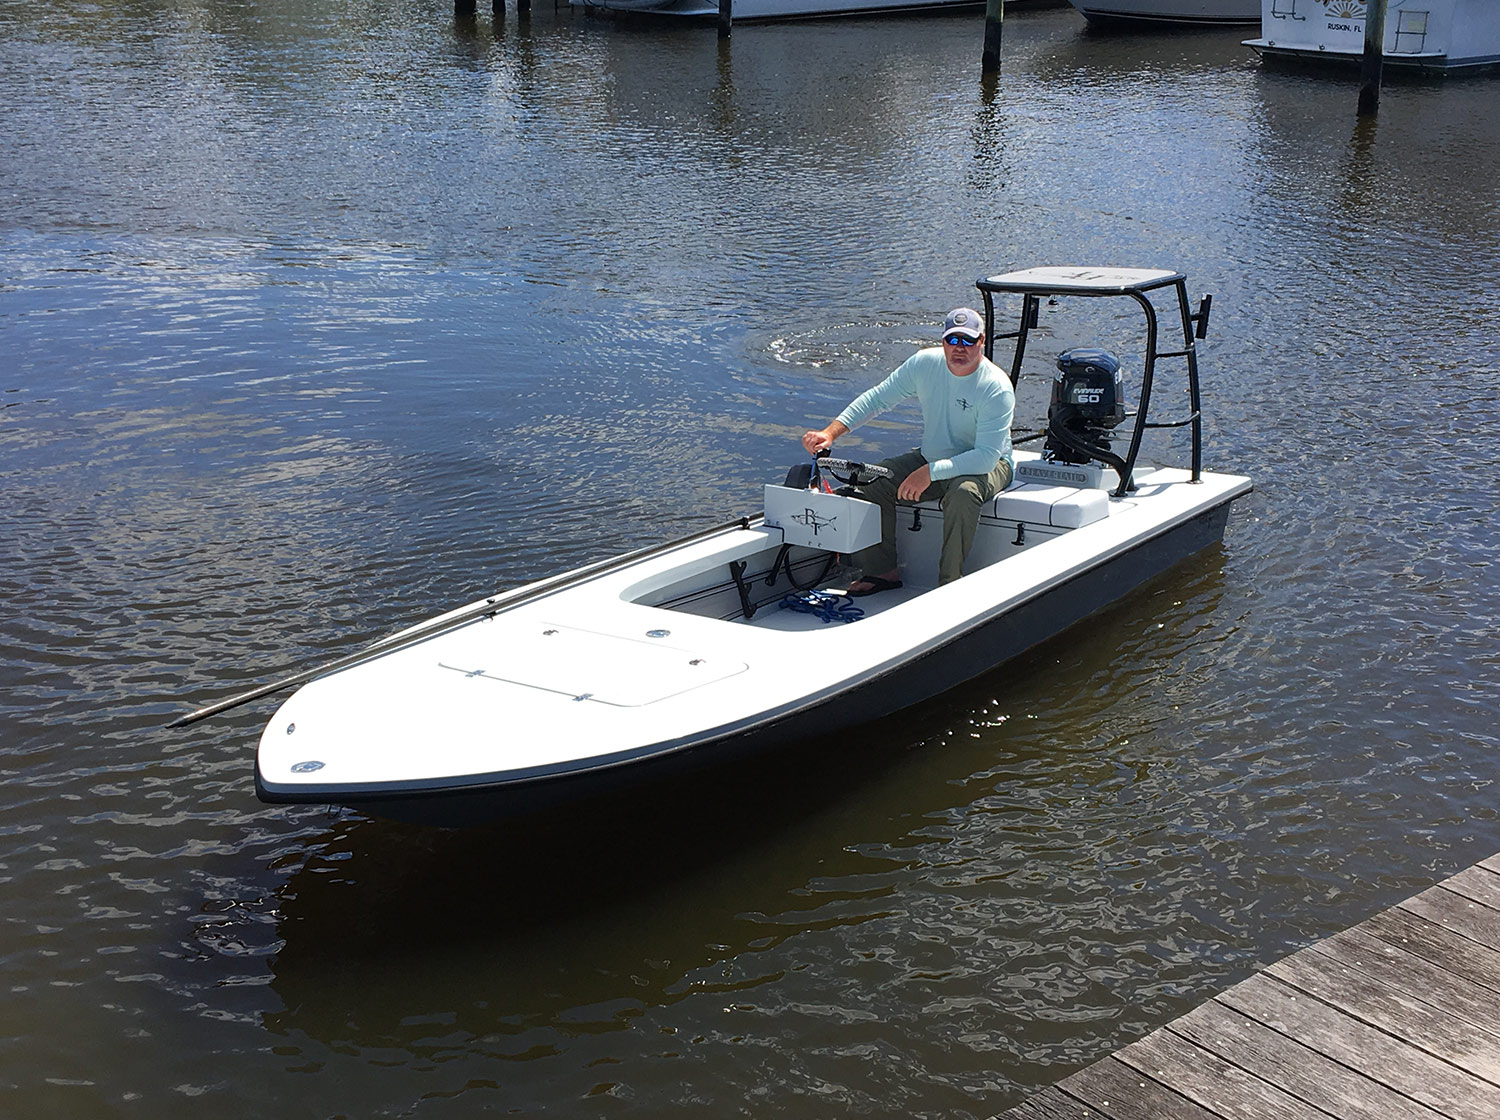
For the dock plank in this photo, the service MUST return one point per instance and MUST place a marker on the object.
(1460, 914)
(1120, 1092)
(1415, 978)
(1293, 1067)
(1052, 1104)
(1208, 1080)
(1394, 1011)
(1438, 944)
(1365, 1049)
(1478, 884)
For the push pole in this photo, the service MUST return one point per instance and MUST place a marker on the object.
(994, 18)
(1374, 60)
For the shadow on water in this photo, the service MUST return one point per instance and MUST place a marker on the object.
(527, 921)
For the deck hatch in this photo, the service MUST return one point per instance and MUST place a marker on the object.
(624, 672)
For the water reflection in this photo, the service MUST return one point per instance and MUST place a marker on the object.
(1397, 173)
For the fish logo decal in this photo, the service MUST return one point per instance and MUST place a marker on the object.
(810, 518)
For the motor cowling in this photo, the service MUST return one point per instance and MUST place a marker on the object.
(1088, 401)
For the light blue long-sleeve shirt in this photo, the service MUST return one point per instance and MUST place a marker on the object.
(965, 420)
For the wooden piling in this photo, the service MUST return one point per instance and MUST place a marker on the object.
(726, 18)
(1373, 64)
(994, 19)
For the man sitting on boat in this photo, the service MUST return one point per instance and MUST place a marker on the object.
(965, 457)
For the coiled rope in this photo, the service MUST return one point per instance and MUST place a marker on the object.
(822, 604)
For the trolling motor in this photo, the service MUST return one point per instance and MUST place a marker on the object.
(1088, 402)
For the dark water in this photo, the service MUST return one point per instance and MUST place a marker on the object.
(318, 317)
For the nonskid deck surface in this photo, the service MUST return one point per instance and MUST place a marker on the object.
(773, 616)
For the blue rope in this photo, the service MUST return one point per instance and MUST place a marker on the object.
(823, 604)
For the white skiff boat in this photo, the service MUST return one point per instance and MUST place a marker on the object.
(683, 656)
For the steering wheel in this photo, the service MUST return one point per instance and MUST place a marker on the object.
(851, 473)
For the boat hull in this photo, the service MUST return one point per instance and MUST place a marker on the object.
(759, 11)
(835, 713)
(1433, 37)
(1183, 12)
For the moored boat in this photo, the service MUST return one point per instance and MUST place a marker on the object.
(1426, 36)
(1192, 12)
(730, 642)
(766, 10)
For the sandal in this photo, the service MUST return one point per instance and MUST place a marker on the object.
(876, 584)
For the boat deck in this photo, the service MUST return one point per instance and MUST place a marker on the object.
(1395, 1019)
(772, 616)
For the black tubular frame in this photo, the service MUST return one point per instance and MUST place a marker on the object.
(1035, 284)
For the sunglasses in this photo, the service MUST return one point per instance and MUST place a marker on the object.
(960, 340)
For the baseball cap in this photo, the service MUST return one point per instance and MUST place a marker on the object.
(964, 321)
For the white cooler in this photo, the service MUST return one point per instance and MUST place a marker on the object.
(818, 520)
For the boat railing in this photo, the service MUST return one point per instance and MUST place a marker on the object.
(1036, 284)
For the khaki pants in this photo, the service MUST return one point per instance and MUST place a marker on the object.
(962, 498)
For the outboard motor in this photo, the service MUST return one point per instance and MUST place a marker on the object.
(1088, 401)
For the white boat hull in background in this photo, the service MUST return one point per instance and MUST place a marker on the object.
(1205, 12)
(1431, 36)
(761, 10)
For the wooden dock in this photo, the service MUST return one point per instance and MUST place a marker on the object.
(1395, 1019)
